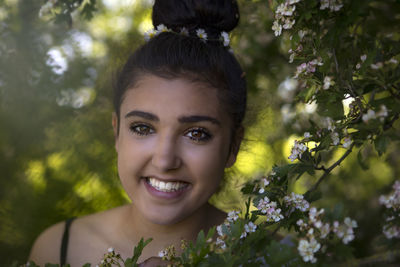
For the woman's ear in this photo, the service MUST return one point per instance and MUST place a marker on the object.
(235, 146)
(115, 125)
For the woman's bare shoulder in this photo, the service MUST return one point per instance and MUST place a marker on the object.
(89, 229)
(46, 248)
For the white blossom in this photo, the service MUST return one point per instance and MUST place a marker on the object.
(297, 201)
(184, 31)
(347, 142)
(219, 230)
(325, 230)
(363, 57)
(302, 33)
(391, 232)
(328, 82)
(269, 208)
(201, 33)
(376, 66)
(162, 28)
(335, 138)
(369, 115)
(307, 248)
(233, 216)
(300, 69)
(297, 149)
(301, 224)
(149, 34)
(225, 38)
(250, 227)
(333, 5)
(46, 8)
(110, 250)
(324, 4)
(307, 135)
(393, 61)
(350, 223)
(220, 243)
(288, 24)
(382, 113)
(277, 28)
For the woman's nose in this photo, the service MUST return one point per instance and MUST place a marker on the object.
(166, 154)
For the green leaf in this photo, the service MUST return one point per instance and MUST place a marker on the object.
(200, 239)
(313, 196)
(137, 251)
(363, 163)
(381, 143)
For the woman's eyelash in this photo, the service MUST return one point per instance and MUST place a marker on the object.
(198, 134)
(141, 129)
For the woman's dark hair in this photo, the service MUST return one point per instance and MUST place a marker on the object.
(172, 55)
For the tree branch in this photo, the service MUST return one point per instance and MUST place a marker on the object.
(375, 260)
(328, 170)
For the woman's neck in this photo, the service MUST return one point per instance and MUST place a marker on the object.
(136, 227)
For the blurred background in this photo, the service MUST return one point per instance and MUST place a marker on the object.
(57, 157)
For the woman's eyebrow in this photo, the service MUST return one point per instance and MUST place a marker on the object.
(142, 114)
(198, 118)
(183, 119)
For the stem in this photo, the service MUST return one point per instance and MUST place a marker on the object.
(327, 171)
(247, 208)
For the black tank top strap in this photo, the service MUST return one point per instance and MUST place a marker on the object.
(64, 241)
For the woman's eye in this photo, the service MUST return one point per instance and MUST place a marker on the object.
(141, 129)
(198, 135)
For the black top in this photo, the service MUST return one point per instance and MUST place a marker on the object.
(64, 242)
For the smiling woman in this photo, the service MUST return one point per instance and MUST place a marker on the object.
(179, 104)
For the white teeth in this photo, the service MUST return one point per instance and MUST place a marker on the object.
(166, 186)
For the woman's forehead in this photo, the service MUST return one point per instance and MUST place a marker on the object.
(172, 95)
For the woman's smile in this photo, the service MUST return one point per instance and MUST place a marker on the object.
(173, 146)
(165, 189)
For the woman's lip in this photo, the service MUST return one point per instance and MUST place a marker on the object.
(165, 195)
(165, 180)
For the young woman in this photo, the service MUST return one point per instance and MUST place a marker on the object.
(179, 104)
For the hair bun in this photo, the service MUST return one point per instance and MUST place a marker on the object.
(211, 15)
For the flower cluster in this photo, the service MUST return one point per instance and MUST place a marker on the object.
(333, 5)
(345, 231)
(297, 150)
(262, 185)
(392, 204)
(168, 253)
(200, 33)
(248, 228)
(233, 216)
(317, 231)
(46, 8)
(269, 208)
(309, 67)
(328, 82)
(110, 259)
(283, 16)
(307, 248)
(371, 115)
(296, 201)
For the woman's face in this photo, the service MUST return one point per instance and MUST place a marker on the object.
(173, 146)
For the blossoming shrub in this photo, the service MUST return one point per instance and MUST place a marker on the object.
(344, 52)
